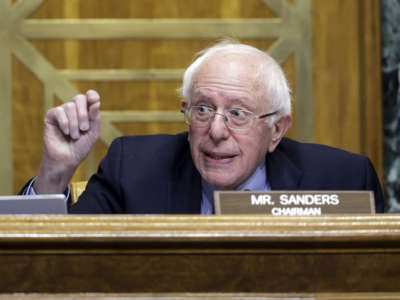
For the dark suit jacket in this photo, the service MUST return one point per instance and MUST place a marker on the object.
(156, 174)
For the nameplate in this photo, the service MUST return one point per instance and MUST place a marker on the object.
(294, 203)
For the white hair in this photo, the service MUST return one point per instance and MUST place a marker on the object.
(269, 74)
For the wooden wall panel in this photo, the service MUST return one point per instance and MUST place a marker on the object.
(336, 76)
(347, 76)
(371, 83)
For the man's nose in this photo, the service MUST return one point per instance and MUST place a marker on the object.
(218, 129)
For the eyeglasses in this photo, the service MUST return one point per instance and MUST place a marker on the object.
(236, 119)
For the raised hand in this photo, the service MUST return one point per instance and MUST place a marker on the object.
(70, 132)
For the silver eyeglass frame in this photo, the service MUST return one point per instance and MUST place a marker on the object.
(185, 111)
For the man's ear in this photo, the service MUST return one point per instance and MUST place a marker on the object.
(279, 129)
(185, 105)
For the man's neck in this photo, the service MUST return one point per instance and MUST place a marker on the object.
(256, 182)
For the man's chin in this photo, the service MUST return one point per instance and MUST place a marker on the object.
(221, 183)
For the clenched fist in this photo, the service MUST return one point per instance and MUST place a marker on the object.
(70, 132)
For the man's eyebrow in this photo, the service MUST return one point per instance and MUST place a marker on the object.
(200, 96)
(243, 102)
(201, 99)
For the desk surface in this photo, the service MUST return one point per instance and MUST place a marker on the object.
(383, 227)
(257, 255)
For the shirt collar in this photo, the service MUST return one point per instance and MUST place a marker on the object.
(256, 182)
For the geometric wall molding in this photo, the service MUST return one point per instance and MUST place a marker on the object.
(291, 29)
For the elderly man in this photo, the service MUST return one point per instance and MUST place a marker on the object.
(237, 105)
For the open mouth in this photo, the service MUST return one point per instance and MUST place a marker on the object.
(219, 156)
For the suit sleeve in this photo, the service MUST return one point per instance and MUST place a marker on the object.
(103, 193)
(27, 187)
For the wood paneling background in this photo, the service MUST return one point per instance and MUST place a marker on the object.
(347, 76)
(345, 111)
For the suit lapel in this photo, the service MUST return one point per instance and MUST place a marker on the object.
(185, 187)
(282, 173)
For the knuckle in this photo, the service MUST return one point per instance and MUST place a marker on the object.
(61, 119)
(54, 112)
(58, 109)
(78, 97)
(51, 111)
(69, 106)
(63, 122)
